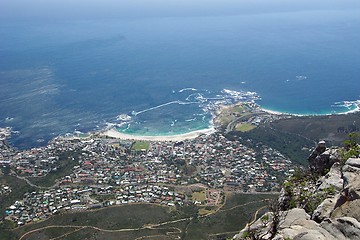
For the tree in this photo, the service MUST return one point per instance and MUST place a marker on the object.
(277, 216)
(351, 147)
(271, 223)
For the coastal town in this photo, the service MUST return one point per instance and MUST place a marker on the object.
(80, 173)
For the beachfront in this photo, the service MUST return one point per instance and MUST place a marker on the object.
(179, 137)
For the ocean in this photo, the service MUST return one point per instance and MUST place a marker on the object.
(163, 76)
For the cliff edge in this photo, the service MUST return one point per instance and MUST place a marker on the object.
(321, 202)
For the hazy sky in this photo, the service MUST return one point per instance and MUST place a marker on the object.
(90, 9)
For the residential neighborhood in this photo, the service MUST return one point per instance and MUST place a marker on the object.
(95, 172)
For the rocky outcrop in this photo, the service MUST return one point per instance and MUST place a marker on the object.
(321, 159)
(332, 179)
(351, 173)
(325, 209)
(337, 215)
(342, 228)
(298, 225)
(346, 202)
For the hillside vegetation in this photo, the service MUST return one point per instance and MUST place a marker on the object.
(146, 220)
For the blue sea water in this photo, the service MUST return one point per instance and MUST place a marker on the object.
(167, 73)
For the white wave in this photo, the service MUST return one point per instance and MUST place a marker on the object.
(352, 106)
(173, 123)
(216, 98)
(78, 132)
(187, 89)
(152, 108)
(190, 120)
(251, 93)
(205, 100)
(300, 77)
(198, 97)
(15, 132)
(231, 92)
(119, 125)
(109, 124)
(186, 103)
(9, 119)
(123, 117)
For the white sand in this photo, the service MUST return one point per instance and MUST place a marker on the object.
(180, 137)
(280, 113)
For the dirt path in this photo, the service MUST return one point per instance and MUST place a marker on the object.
(79, 227)
(147, 226)
(256, 213)
(66, 234)
(33, 185)
(242, 205)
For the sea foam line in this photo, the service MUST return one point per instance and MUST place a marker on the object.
(346, 104)
(160, 106)
(187, 89)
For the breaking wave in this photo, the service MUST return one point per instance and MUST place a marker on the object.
(193, 109)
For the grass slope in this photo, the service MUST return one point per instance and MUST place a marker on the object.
(289, 144)
(238, 210)
(334, 128)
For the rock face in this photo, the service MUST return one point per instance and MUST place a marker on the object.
(336, 217)
(298, 225)
(321, 159)
(351, 173)
(342, 228)
(333, 179)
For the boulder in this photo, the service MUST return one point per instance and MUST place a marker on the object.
(325, 209)
(351, 173)
(342, 228)
(298, 225)
(332, 179)
(337, 217)
(321, 159)
(354, 162)
(348, 209)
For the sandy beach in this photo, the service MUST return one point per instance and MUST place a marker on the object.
(277, 113)
(179, 137)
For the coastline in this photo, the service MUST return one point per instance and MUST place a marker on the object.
(350, 111)
(112, 132)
